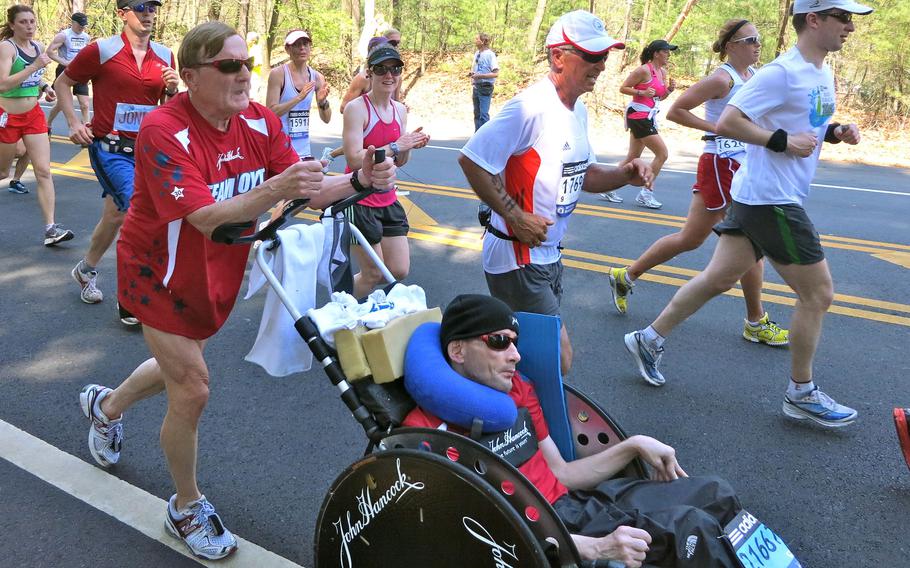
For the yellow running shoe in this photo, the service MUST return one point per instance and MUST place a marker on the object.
(766, 332)
(619, 288)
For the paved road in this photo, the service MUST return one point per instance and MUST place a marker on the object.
(271, 447)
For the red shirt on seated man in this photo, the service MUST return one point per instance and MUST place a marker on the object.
(673, 520)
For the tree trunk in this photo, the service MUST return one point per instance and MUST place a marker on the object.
(214, 11)
(782, 27)
(270, 40)
(535, 25)
(396, 14)
(244, 18)
(682, 18)
(369, 26)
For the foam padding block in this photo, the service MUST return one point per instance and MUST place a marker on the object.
(350, 353)
(385, 347)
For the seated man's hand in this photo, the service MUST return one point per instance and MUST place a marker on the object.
(659, 456)
(626, 544)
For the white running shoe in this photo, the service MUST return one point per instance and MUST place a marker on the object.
(201, 530)
(645, 198)
(88, 281)
(610, 196)
(105, 436)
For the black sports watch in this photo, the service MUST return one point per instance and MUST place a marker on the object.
(394, 148)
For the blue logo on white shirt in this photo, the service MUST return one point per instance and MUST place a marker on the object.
(821, 105)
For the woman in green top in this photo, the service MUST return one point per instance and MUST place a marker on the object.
(22, 63)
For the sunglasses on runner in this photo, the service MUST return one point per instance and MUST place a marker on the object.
(593, 58)
(751, 40)
(498, 341)
(228, 66)
(143, 8)
(382, 70)
(394, 42)
(842, 17)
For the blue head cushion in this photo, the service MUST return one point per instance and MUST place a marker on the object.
(437, 388)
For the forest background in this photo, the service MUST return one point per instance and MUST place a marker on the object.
(873, 69)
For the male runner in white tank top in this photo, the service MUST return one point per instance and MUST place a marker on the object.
(63, 49)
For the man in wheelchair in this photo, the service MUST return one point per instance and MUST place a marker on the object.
(670, 520)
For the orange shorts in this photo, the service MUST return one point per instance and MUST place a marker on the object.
(14, 126)
(715, 174)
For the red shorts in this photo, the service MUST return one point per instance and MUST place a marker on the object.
(14, 126)
(713, 180)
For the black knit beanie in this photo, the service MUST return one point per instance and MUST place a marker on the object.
(472, 315)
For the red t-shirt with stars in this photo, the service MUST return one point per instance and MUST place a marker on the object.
(169, 275)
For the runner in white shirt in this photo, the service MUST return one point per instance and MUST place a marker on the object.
(292, 88)
(531, 162)
(737, 42)
(783, 113)
(65, 46)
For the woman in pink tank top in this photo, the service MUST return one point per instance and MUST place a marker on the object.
(376, 119)
(647, 86)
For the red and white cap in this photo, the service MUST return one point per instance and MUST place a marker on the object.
(583, 31)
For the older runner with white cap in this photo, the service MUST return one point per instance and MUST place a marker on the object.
(531, 162)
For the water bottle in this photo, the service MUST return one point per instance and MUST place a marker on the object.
(113, 140)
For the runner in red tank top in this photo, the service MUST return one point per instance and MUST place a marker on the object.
(377, 119)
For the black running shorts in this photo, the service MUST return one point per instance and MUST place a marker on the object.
(378, 222)
(783, 233)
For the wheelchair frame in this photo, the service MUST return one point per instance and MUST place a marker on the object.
(516, 525)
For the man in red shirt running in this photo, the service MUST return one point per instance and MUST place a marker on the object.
(630, 520)
(130, 76)
(208, 157)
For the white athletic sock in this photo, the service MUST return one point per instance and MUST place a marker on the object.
(652, 337)
(799, 390)
(625, 276)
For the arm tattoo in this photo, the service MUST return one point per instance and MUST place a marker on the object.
(507, 200)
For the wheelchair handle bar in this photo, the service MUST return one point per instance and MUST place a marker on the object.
(229, 233)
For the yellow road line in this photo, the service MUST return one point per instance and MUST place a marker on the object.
(455, 237)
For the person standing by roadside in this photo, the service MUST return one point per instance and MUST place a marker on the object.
(647, 85)
(292, 88)
(739, 44)
(22, 63)
(63, 49)
(483, 75)
(782, 114)
(130, 76)
(207, 158)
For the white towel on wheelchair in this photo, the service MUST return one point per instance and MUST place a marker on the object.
(379, 308)
(279, 349)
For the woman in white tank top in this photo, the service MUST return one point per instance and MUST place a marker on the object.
(292, 88)
(739, 43)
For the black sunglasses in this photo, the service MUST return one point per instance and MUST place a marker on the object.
(228, 66)
(382, 70)
(394, 42)
(589, 57)
(143, 8)
(842, 17)
(498, 341)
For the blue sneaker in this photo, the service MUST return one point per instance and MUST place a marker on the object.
(646, 357)
(820, 408)
(17, 186)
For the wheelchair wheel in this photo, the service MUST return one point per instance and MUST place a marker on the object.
(404, 507)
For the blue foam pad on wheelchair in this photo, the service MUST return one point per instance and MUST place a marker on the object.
(439, 389)
(538, 344)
